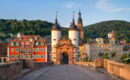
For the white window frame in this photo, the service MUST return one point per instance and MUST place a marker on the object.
(32, 50)
(12, 49)
(37, 56)
(16, 50)
(36, 49)
(42, 49)
(42, 43)
(12, 56)
(42, 56)
(27, 43)
(27, 50)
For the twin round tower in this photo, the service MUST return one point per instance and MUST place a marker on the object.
(75, 36)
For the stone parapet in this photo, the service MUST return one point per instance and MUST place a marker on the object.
(10, 71)
(118, 69)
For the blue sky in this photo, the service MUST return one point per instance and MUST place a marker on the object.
(93, 11)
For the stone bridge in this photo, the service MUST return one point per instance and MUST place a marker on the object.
(67, 72)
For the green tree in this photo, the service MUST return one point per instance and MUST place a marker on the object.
(105, 56)
(122, 57)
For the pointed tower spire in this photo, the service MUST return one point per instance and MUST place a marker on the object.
(80, 27)
(79, 17)
(79, 13)
(73, 17)
(73, 26)
(56, 25)
(56, 21)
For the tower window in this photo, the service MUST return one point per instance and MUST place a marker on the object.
(74, 39)
(54, 39)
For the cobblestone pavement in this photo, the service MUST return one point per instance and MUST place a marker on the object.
(66, 72)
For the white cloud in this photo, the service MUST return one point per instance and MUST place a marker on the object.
(70, 4)
(109, 7)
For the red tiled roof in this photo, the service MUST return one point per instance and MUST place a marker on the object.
(27, 38)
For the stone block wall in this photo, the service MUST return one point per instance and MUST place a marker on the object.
(10, 71)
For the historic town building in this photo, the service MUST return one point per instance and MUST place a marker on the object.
(126, 48)
(28, 47)
(64, 50)
(100, 46)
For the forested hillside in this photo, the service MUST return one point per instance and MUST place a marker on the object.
(43, 28)
(121, 28)
(25, 26)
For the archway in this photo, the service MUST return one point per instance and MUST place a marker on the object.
(64, 58)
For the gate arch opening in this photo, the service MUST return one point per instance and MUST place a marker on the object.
(64, 58)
